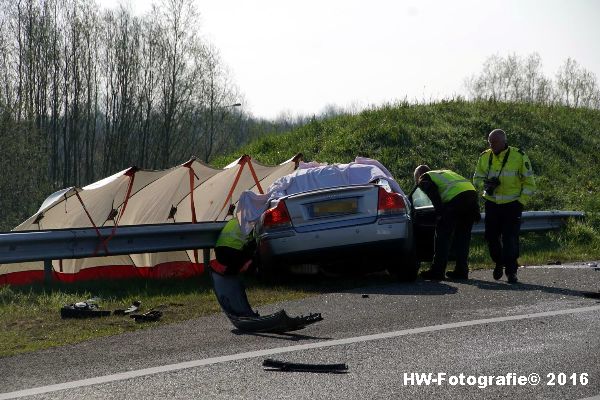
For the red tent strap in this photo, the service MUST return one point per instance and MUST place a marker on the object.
(242, 162)
(93, 224)
(131, 174)
(192, 174)
(255, 177)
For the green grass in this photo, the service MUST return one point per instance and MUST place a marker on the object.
(30, 315)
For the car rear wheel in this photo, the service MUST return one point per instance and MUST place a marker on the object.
(407, 269)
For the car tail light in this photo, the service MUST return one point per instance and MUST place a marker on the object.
(390, 203)
(277, 217)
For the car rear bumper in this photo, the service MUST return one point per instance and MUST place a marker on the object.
(384, 241)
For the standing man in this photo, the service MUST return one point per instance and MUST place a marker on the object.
(455, 201)
(505, 174)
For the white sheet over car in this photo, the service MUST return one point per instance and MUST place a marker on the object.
(311, 176)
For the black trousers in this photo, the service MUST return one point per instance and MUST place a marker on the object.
(456, 219)
(502, 226)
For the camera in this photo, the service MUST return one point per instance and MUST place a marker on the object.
(490, 184)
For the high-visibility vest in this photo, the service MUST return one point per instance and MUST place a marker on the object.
(231, 235)
(516, 177)
(449, 183)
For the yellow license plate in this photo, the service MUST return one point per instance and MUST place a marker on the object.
(334, 207)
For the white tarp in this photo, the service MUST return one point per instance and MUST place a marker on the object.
(310, 176)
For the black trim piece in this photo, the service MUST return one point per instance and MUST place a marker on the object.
(276, 365)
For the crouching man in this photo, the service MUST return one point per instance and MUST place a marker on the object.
(234, 250)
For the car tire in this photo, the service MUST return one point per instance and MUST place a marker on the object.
(407, 269)
(266, 271)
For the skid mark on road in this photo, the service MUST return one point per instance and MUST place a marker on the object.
(287, 349)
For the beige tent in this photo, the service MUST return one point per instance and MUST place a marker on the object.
(191, 192)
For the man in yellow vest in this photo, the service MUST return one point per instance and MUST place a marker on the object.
(506, 177)
(455, 201)
(234, 249)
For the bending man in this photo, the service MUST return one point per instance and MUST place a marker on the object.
(455, 201)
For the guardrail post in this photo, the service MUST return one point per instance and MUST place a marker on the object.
(48, 278)
(206, 253)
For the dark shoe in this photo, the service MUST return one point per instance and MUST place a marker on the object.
(432, 275)
(498, 271)
(512, 278)
(457, 275)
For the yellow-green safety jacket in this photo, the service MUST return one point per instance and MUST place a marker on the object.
(449, 183)
(231, 235)
(516, 177)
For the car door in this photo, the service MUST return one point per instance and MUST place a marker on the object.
(423, 216)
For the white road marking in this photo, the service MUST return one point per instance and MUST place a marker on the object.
(279, 350)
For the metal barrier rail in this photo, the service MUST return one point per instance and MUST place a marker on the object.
(532, 221)
(133, 239)
(84, 242)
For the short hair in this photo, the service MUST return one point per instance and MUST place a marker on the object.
(420, 170)
(498, 132)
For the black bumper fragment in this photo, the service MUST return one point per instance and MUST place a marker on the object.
(275, 365)
(231, 295)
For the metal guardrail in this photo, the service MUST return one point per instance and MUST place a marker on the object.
(532, 221)
(84, 242)
(133, 239)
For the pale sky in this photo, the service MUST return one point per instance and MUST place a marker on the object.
(298, 57)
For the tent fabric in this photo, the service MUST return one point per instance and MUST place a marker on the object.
(310, 176)
(190, 192)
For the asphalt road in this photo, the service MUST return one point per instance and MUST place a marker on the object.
(458, 332)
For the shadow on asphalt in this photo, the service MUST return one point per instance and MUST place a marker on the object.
(420, 288)
(524, 287)
(294, 337)
(435, 288)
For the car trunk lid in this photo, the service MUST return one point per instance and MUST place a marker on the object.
(352, 205)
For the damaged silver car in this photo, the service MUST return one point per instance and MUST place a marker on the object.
(354, 228)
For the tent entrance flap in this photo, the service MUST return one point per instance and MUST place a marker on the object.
(231, 294)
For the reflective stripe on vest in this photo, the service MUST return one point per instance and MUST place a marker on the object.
(449, 183)
(231, 236)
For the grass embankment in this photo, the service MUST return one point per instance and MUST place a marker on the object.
(562, 143)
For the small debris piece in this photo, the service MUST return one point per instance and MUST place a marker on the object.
(153, 315)
(82, 309)
(276, 365)
(135, 306)
(365, 296)
(592, 295)
(592, 265)
(554, 262)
